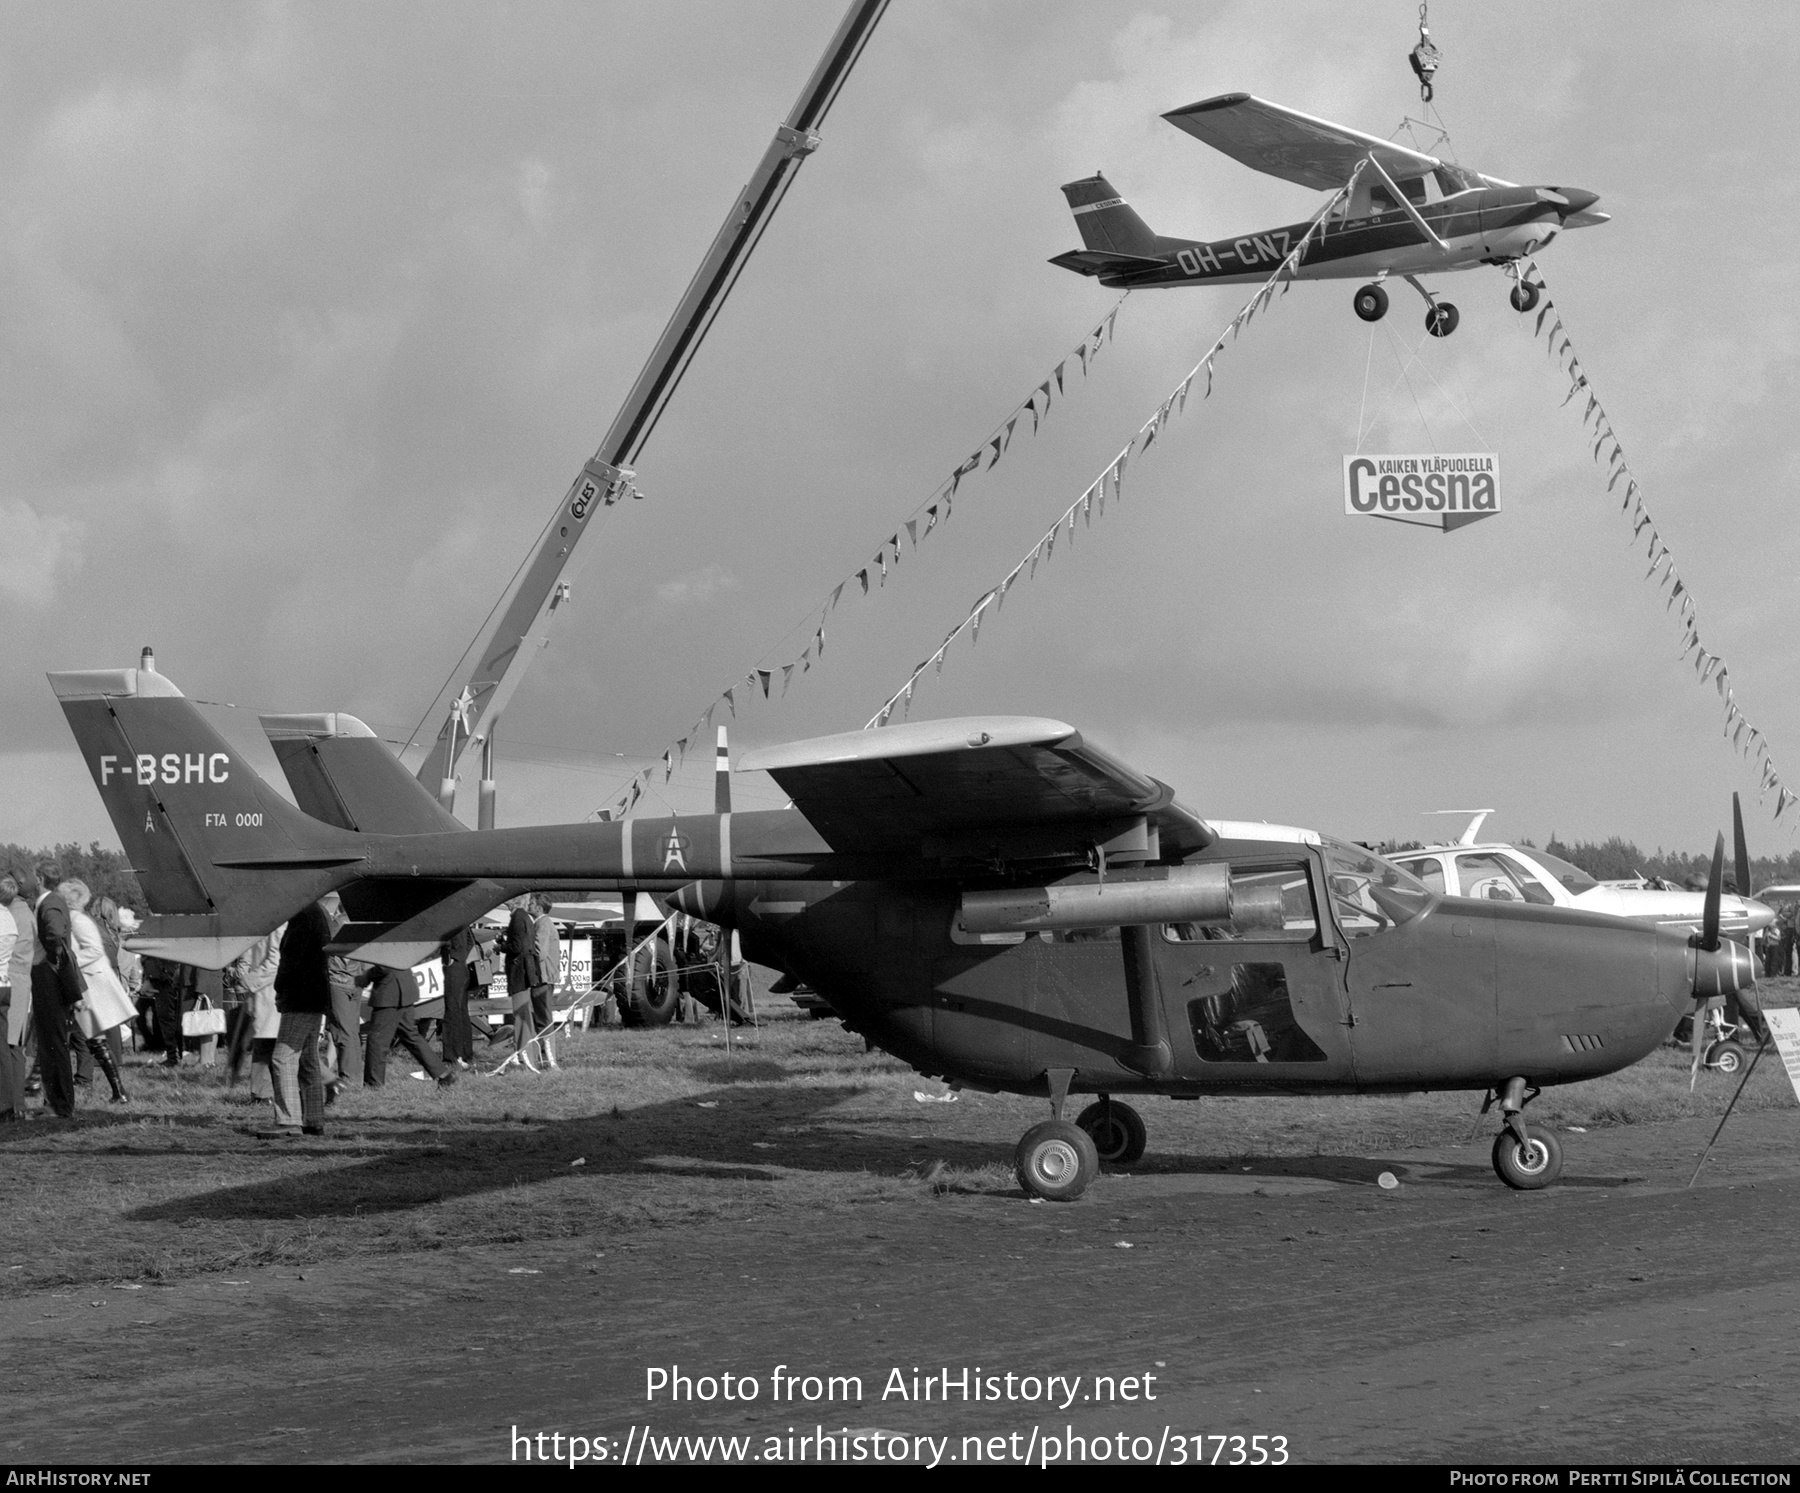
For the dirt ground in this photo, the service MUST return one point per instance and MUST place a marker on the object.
(1618, 1317)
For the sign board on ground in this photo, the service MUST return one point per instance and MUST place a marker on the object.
(1784, 1023)
(1435, 490)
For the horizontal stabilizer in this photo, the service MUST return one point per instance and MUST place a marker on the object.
(189, 940)
(1100, 262)
(404, 943)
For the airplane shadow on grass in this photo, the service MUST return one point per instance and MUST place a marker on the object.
(756, 1137)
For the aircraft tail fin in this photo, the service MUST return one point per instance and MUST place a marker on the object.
(1107, 225)
(222, 858)
(343, 774)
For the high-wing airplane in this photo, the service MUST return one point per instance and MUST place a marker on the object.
(1512, 873)
(1410, 214)
(995, 900)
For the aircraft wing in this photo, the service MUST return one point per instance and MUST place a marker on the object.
(1294, 146)
(985, 787)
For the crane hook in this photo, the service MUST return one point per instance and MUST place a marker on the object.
(1424, 58)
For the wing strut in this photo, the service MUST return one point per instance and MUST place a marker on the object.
(506, 647)
(1406, 205)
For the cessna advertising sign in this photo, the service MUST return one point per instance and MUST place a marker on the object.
(1438, 491)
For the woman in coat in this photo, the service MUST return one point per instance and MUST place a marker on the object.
(105, 1006)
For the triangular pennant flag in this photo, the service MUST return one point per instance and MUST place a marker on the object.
(1059, 382)
(995, 443)
(1044, 389)
(863, 576)
(912, 531)
(730, 704)
(764, 677)
(668, 764)
(1110, 317)
(681, 750)
(1540, 320)
(1009, 430)
(787, 676)
(938, 659)
(1031, 404)
(1186, 383)
(968, 466)
(819, 641)
(931, 517)
(839, 591)
(1081, 352)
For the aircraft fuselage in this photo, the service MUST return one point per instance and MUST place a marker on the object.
(1482, 225)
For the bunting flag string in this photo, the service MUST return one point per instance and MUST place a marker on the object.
(1095, 495)
(933, 513)
(1709, 667)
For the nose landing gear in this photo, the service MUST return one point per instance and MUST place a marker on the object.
(1527, 1157)
(1441, 319)
(1524, 296)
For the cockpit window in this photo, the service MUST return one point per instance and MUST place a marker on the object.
(1370, 894)
(1453, 179)
(1573, 877)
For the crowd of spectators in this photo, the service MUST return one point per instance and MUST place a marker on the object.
(288, 1012)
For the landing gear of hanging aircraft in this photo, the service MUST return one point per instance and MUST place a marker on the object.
(1056, 1161)
(1116, 1129)
(1441, 319)
(1524, 296)
(1371, 303)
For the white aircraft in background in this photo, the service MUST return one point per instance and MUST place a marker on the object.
(1512, 873)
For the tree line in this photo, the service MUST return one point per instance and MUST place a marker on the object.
(106, 872)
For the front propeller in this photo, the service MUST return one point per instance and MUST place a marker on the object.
(1723, 968)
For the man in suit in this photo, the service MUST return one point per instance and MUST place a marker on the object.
(459, 1040)
(392, 992)
(56, 989)
(303, 997)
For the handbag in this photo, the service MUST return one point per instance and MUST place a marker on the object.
(204, 1019)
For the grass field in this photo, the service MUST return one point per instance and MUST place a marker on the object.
(641, 1131)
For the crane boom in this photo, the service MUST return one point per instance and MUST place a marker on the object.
(520, 626)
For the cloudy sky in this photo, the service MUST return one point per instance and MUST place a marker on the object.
(309, 314)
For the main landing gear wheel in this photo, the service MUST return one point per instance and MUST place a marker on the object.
(1056, 1161)
(1117, 1131)
(1371, 303)
(1528, 1167)
(1524, 296)
(653, 991)
(1726, 1057)
(1441, 319)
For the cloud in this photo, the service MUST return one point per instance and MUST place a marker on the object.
(35, 551)
(697, 586)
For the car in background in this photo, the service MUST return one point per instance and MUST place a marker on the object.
(1515, 873)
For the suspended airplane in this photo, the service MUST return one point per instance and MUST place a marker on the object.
(994, 900)
(1512, 873)
(1409, 214)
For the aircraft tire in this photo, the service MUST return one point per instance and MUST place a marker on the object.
(653, 991)
(1524, 296)
(1532, 1167)
(1441, 320)
(1371, 303)
(1117, 1131)
(1056, 1161)
(1726, 1057)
